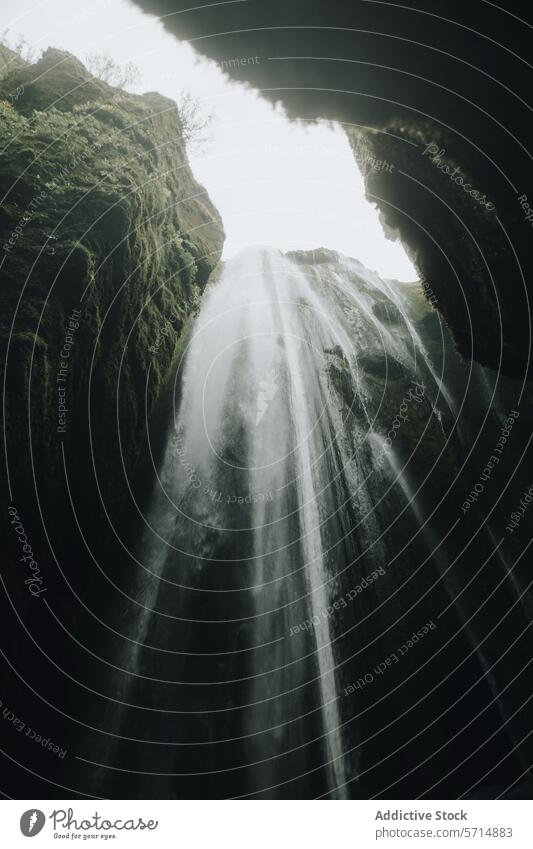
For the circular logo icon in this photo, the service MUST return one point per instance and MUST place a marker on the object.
(32, 822)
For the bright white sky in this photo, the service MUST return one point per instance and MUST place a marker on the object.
(274, 182)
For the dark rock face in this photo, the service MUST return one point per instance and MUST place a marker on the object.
(456, 240)
(382, 367)
(387, 313)
(401, 78)
(107, 240)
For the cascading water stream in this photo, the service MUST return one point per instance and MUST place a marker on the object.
(271, 505)
(312, 546)
(241, 483)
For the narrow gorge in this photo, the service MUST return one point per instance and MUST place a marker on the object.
(263, 514)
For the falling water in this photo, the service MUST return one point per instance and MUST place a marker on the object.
(271, 503)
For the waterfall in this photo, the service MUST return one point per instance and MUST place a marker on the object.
(304, 381)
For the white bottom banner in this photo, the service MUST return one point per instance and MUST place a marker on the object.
(264, 825)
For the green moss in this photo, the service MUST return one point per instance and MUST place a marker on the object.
(110, 221)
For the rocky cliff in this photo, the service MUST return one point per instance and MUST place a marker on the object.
(106, 243)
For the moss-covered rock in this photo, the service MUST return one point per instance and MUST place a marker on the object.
(106, 240)
(9, 61)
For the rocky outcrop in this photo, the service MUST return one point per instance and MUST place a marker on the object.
(106, 243)
(10, 61)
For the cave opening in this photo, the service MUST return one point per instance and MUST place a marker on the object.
(277, 182)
